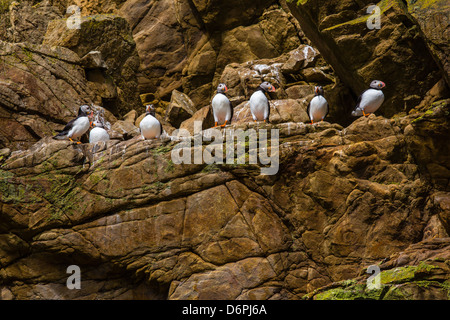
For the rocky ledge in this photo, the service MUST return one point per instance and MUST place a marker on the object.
(140, 226)
(351, 200)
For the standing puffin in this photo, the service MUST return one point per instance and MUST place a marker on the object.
(221, 106)
(76, 127)
(370, 100)
(318, 106)
(259, 104)
(150, 127)
(98, 133)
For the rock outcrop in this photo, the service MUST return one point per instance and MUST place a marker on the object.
(189, 51)
(41, 90)
(129, 217)
(110, 36)
(395, 51)
(45, 79)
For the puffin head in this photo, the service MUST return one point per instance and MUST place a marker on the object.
(222, 88)
(150, 109)
(85, 110)
(377, 84)
(318, 91)
(97, 123)
(266, 86)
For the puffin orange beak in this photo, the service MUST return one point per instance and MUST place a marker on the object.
(382, 85)
(272, 89)
(226, 88)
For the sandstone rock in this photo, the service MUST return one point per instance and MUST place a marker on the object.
(300, 91)
(281, 111)
(426, 132)
(299, 58)
(34, 106)
(433, 22)
(404, 276)
(180, 108)
(371, 53)
(186, 52)
(342, 198)
(126, 129)
(111, 36)
(294, 75)
(29, 22)
(204, 115)
(130, 116)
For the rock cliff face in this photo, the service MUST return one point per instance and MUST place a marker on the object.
(347, 193)
(347, 36)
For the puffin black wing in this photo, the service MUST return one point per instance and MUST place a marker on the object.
(67, 128)
(307, 108)
(358, 102)
(232, 110)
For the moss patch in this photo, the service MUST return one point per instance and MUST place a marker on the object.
(4, 6)
(383, 5)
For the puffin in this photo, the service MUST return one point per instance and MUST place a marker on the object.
(77, 127)
(259, 104)
(370, 100)
(150, 127)
(98, 133)
(221, 106)
(318, 106)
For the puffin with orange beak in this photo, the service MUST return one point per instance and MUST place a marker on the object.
(77, 127)
(259, 104)
(370, 100)
(221, 106)
(318, 106)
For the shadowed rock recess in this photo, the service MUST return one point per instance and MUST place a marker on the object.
(350, 193)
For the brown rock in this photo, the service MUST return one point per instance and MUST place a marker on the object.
(125, 129)
(29, 22)
(130, 116)
(281, 111)
(204, 115)
(111, 36)
(180, 108)
(371, 53)
(181, 54)
(35, 107)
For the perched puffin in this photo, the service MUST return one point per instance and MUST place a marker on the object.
(370, 100)
(150, 127)
(318, 106)
(98, 133)
(76, 127)
(259, 104)
(221, 106)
